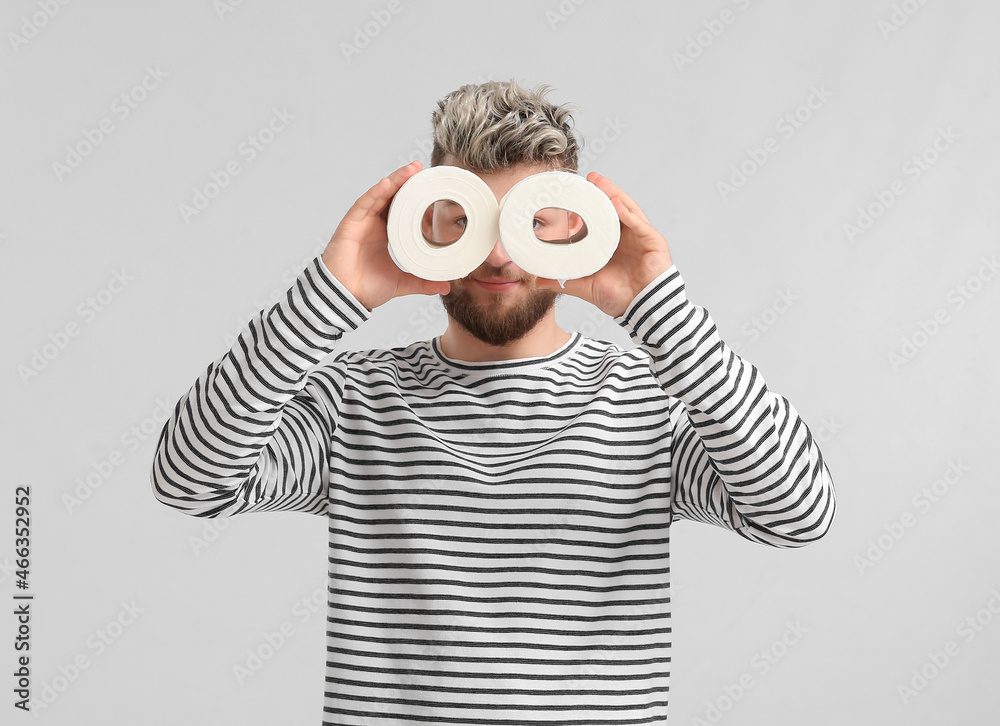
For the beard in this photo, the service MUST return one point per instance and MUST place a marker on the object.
(492, 317)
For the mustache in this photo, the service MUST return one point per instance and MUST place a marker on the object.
(492, 273)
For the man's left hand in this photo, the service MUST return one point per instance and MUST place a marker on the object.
(641, 257)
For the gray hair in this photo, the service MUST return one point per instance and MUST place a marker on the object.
(498, 124)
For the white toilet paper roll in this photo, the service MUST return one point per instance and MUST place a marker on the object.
(407, 246)
(566, 191)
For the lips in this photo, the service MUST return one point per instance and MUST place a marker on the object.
(496, 284)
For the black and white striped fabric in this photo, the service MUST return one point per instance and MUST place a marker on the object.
(499, 531)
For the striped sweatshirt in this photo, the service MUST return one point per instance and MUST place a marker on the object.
(499, 532)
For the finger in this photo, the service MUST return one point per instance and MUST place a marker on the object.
(413, 285)
(396, 180)
(635, 222)
(570, 287)
(647, 239)
(373, 201)
(613, 190)
(366, 201)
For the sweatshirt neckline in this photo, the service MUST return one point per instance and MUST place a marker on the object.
(514, 365)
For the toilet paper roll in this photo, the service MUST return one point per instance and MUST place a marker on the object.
(558, 261)
(407, 246)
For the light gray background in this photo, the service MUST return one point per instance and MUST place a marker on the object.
(671, 133)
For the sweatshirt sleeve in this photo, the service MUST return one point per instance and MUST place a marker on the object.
(742, 456)
(253, 433)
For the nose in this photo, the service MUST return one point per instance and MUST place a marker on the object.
(498, 257)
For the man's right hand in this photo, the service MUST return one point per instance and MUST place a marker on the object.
(358, 253)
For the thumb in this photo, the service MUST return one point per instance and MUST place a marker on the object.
(576, 287)
(413, 285)
(435, 287)
(439, 288)
(579, 287)
(547, 283)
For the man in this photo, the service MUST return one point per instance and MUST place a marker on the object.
(499, 498)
